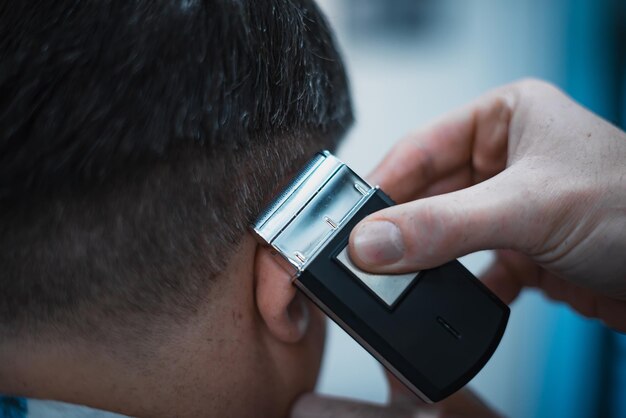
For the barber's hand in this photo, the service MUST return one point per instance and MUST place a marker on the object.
(524, 170)
(402, 405)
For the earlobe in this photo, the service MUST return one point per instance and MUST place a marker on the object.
(282, 308)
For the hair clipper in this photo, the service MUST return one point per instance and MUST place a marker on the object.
(433, 329)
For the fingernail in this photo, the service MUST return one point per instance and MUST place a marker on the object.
(378, 243)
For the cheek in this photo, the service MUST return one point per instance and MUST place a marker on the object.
(318, 325)
(314, 341)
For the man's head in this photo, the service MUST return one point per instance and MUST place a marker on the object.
(138, 140)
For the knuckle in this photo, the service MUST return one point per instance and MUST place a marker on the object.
(536, 87)
(421, 161)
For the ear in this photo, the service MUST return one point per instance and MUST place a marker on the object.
(282, 308)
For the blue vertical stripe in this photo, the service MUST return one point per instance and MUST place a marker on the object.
(576, 380)
(11, 407)
(618, 354)
(618, 381)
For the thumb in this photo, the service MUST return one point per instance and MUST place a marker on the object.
(432, 231)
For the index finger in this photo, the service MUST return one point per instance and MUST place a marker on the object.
(461, 149)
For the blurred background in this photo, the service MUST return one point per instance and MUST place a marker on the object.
(412, 60)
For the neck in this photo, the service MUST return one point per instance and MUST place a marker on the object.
(73, 373)
(180, 378)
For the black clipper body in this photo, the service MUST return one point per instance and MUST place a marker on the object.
(433, 329)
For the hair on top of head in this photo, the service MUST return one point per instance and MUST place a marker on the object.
(89, 87)
(138, 139)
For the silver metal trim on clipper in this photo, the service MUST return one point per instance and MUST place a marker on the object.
(311, 209)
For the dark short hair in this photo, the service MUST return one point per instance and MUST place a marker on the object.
(138, 140)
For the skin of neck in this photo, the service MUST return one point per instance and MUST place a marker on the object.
(221, 362)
